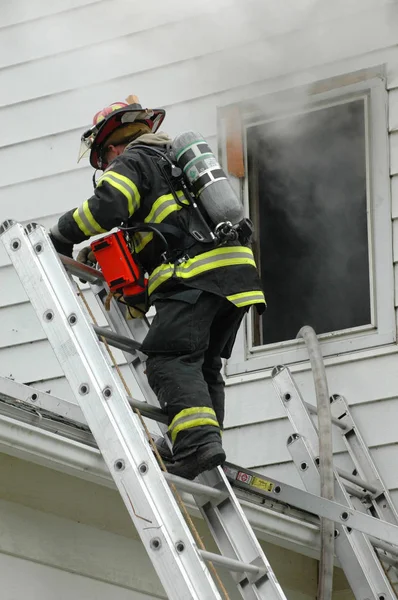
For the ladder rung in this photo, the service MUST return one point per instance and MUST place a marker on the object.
(358, 481)
(118, 345)
(230, 563)
(354, 479)
(386, 559)
(195, 488)
(354, 491)
(313, 409)
(384, 546)
(149, 411)
(81, 270)
(119, 341)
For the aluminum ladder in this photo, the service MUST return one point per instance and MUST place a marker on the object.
(360, 491)
(181, 565)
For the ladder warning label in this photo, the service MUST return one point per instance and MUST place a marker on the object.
(262, 484)
(257, 482)
(245, 477)
(251, 480)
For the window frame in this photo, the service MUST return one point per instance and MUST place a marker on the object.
(382, 330)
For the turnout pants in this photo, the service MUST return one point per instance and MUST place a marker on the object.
(190, 334)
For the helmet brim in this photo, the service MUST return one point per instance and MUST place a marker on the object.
(152, 117)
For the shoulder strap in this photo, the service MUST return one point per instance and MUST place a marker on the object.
(200, 231)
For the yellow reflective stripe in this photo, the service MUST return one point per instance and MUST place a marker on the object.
(214, 259)
(166, 211)
(216, 264)
(163, 273)
(158, 202)
(126, 193)
(161, 208)
(219, 253)
(89, 216)
(85, 220)
(190, 424)
(195, 410)
(192, 417)
(164, 203)
(125, 186)
(245, 298)
(79, 222)
(141, 240)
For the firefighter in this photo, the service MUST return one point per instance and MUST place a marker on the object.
(201, 292)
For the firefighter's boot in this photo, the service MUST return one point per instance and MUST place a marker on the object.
(163, 448)
(204, 458)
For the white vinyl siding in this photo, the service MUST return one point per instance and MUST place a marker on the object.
(40, 582)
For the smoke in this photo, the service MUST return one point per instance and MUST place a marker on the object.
(308, 181)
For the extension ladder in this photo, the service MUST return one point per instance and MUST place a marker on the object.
(360, 491)
(182, 566)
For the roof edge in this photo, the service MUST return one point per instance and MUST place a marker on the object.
(30, 443)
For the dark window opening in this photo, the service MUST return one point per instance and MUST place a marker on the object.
(307, 190)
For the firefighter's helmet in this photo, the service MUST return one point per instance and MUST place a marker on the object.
(116, 124)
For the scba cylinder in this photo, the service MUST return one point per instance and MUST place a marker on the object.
(206, 178)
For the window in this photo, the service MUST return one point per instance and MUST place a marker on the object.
(308, 190)
(317, 190)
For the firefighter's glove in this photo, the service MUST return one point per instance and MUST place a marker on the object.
(86, 256)
(135, 312)
(61, 247)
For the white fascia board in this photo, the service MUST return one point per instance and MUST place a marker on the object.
(33, 444)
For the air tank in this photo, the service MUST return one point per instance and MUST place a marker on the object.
(206, 178)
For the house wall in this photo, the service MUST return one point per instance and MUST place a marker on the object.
(40, 581)
(61, 61)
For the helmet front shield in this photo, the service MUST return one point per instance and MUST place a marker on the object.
(87, 141)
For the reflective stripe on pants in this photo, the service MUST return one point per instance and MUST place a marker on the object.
(192, 417)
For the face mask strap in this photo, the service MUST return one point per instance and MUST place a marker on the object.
(95, 178)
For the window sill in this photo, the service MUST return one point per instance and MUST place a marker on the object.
(260, 367)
